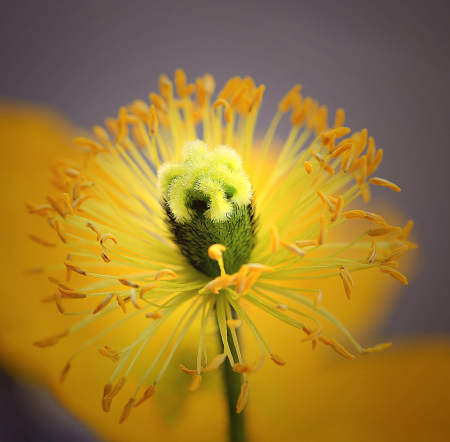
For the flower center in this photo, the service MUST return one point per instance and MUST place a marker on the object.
(208, 200)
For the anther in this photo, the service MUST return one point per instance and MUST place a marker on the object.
(195, 383)
(384, 183)
(243, 397)
(95, 229)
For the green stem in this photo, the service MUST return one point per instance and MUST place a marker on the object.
(233, 390)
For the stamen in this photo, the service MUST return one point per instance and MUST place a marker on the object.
(147, 394)
(325, 199)
(376, 349)
(384, 230)
(215, 363)
(52, 340)
(308, 167)
(41, 241)
(103, 303)
(96, 230)
(187, 371)
(110, 353)
(384, 183)
(105, 257)
(154, 315)
(129, 283)
(355, 214)
(275, 358)
(121, 303)
(127, 410)
(274, 239)
(282, 307)
(164, 272)
(147, 288)
(64, 373)
(215, 252)
(195, 383)
(293, 248)
(377, 219)
(397, 253)
(243, 397)
(234, 323)
(338, 209)
(337, 347)
(372, 253)
(105, 237)
(395, 274)
(322, 230)
(67, 204)
(317, 299)
(306, 243)
(58, 302)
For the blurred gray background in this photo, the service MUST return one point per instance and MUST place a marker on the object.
(387, 63)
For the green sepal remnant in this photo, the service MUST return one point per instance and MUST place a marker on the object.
(237, 234)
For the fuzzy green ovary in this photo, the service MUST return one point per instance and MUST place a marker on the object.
(214, 176)
(207, 199)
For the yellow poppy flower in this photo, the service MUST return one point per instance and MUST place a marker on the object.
(302, 255)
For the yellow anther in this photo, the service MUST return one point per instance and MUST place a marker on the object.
(392, 264)
(341, 148)
(188, 371)
(347, 159)
(216, 362)
(51, 340)
(195, 383)
(95, 229)
(67, 204)
(384, 230)
(363, 166)
(241, 368)
(323, 229)
(257, 98)
(256, 365)
(274, 239)
(64, 373)
(215, 252)
(105, 238)
(406, 230)
(376, 349)
(277, 360)
(311, 334)
(148, 287)
(306, 243)
(72, 267)
(243, 397)
(395, 274)
(339, 119)
(327, 168)
(337, 347)
(164, 272)
(338, 209)
(121, 303)
(89, 144)
(154, 315)
(234, 323)
(293, 248)
(71, 294)
(110, 353)
(229, 88)
(372, 253)
(59, 229)
(288, 101)
(147, 394)
(159, 102)
(127, 410)
(153, 122)
(377, 219)
(326, 200)
(355, 214)
(282, 307)
(103, 303)
(347, 281)
(223, 102)
(122, 125)
(218, 283)
(308, 167)
(41, 241)
(129, 283)
(317, 299)
(105, 256)
(375, 162)
(317, 156)
(384, 183)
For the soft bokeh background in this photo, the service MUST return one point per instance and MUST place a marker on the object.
(387, 63)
